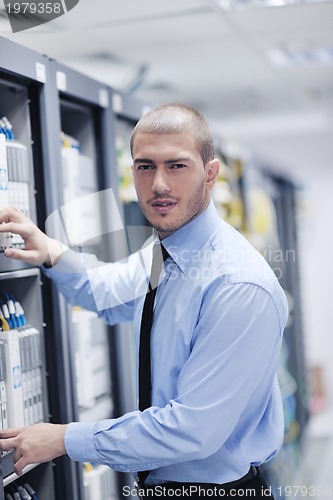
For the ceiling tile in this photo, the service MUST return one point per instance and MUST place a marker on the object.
(111, 12)
(289, 20)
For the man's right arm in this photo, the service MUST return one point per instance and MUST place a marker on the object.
(108, 289)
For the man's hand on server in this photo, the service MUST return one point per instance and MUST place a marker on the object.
(39, 248)
(34, 444)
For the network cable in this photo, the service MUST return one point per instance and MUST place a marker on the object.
(9, 128)
(11, 311)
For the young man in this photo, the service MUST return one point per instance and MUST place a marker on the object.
(214, 412)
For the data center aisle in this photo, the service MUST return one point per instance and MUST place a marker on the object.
(316, 476)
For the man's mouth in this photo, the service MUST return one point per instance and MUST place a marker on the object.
(163, 206)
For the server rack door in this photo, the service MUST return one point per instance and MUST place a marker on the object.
(272, 222)
(127, 111)
(24, 392)
(83, 212)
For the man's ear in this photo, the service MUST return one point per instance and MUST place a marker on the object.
(212, 168)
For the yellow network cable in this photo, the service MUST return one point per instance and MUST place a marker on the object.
(4, 324)
(87, 467)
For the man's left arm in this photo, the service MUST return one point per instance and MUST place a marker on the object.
(231, 367)
(235, 348)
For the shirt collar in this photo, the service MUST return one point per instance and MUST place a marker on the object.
(192, 237)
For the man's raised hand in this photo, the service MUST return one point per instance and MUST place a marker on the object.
(39, 248)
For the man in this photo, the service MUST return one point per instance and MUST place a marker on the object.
(214, 412)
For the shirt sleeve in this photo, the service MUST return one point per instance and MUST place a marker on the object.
(109, 289)
(225, 386)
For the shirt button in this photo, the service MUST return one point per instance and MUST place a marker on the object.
(164, 275)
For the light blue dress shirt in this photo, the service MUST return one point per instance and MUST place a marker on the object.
(218, 322)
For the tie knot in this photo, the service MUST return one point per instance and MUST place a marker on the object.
(160, 254)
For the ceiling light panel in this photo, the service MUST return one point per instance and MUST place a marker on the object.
(302, 57)
(234, 5)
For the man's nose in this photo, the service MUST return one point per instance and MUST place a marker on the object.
(160, 182)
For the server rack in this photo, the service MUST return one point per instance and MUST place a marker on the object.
(128, 110)
(55, 99)
(22, 95)
(80, 108)
(262, 206)
(282, 254)
(285, 205)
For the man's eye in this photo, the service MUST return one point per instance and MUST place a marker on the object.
(177, 166)
(145, 167)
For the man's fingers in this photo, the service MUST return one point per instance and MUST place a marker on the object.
(17, 455)
(11, 214)
(19, 466)
(10, 433)
(29, 256)
(14, 227)
(7, 438)
(18, 254)
(7, 445)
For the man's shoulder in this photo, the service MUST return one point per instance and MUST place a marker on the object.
(237, 260)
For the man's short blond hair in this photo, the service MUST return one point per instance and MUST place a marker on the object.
(178, 118)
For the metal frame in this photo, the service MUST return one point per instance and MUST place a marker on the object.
(76, 91)
(23, 69)
(51, 85)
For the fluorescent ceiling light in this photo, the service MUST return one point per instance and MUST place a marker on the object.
(254, 4)
(287, 57)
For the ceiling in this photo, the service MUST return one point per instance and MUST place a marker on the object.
(223, 62)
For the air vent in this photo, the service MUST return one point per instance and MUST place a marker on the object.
(108, 57)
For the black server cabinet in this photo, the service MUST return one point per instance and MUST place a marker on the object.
(285, 204)
(128, 110)
(283, 254)
(23, 76)
(81, 185)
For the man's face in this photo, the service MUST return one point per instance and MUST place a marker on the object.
(172, 183)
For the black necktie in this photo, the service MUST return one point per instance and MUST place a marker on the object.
(159, 256)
